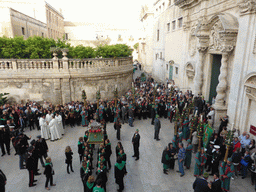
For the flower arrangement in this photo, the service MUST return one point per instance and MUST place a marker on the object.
(95, 131)
(229, 138)
(200, 129)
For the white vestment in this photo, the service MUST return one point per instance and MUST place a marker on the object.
(45, 133)
(52, 126)
(48, 118)
(59, 124)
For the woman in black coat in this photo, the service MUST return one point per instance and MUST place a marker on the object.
(108, 151)
(80, 146)
(49, 172)
(69, 153)
(122, 155)
(118, 147)
(120, 171)
(172, 152)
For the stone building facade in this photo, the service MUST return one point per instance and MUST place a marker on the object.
(23, 25)
(28, 18)
(55, 22)
(214, 54)
(62, 80)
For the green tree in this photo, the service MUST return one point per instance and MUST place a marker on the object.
(3, 98)
(110, 51)
(81, 52)
(135, 46)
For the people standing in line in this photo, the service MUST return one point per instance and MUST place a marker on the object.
(102, 175)
(99, 186)
(89, 184)
(68, 161)
(80, 148)
(3, 181)
(118, 147)
(49, 172)
(117, 127)
(181, 158)
(157, 125)
(120, 172)
(108, 153)
(136, 144)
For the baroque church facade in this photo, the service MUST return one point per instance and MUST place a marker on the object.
(209, 47)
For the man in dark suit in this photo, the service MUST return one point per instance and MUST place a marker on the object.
(136, 144)
(201, 184)
(124, 114)
(157, 128)
(215, 186)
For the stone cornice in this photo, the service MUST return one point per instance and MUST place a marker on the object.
(186, 4)
(247, 7)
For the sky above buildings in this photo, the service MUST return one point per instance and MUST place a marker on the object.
(119, 13)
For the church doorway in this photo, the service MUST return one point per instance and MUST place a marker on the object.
(216, 64)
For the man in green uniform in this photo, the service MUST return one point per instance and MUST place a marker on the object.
(200, 163)
(226, 172)
(188, 154)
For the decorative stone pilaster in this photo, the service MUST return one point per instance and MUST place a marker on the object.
(222, 86)
(247, 7)
(199, 70)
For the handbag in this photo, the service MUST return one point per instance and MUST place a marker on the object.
(66, 161)
(244, 163)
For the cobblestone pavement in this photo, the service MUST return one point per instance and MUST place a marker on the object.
(144, 175)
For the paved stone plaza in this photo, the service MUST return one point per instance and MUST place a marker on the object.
(143, 175)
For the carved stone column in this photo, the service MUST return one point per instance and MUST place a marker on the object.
(219, 106)
(222, 86)
(199, 71)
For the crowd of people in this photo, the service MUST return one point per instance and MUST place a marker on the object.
(147, 100)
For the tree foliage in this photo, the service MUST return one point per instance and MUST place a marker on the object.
(39, 48)
(112, 51)
(3, 98)
(135, 46)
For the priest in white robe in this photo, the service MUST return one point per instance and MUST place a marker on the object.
(45, 132)
(53, 129)
(48, 117)
(59, 123)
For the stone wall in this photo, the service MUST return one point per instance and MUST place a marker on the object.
(62, 80)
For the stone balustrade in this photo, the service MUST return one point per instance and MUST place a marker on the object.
(62, 80)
